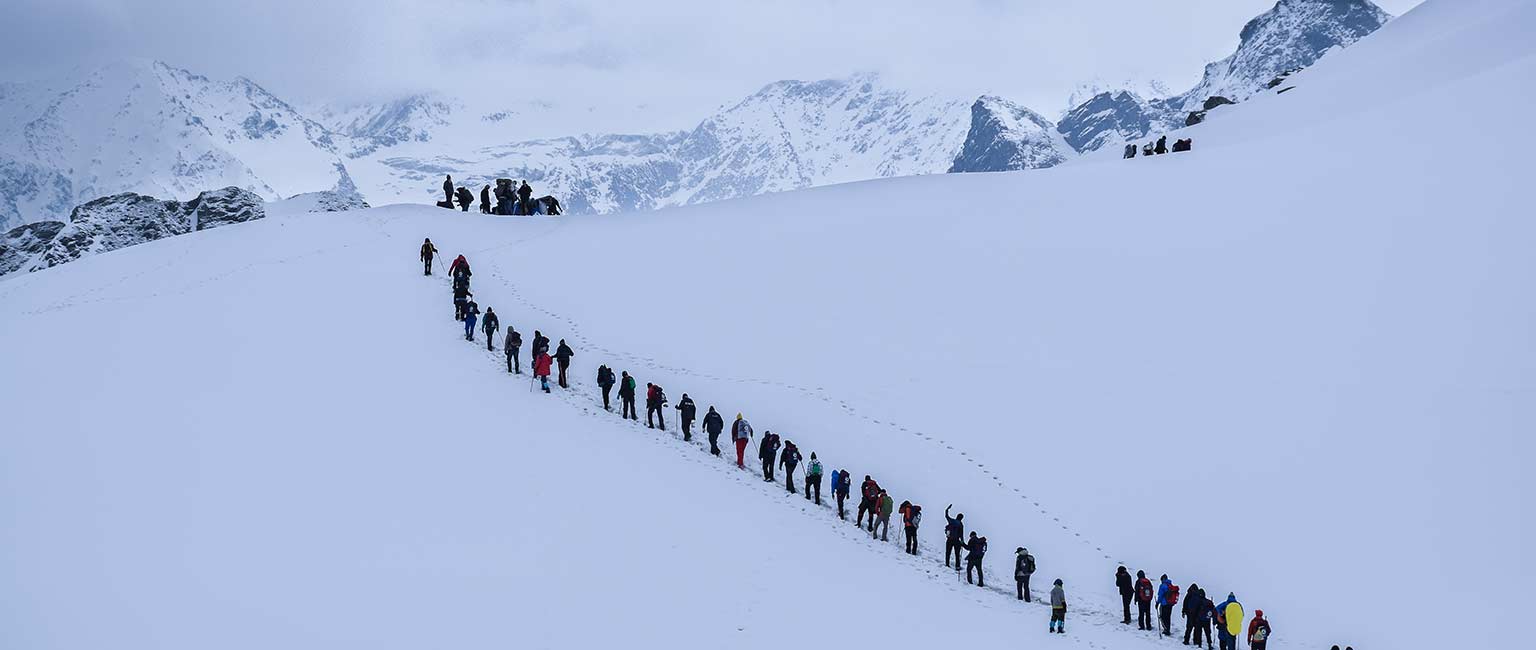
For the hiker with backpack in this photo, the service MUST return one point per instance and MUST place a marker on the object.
(461, 297)
(1058, 608)
(605, 381)
(523, 194)
(1194, 601)
(741, 432)
(627, 396)
(1258, 631)
(1229, 622)
(541, 366)
(975, 549)
(563, 356)
(840, 488)
(788, 460)
(466, 198)
(471, 312)
(1144, 594)
(460, 266)
(427, 251)
(954, 534)
(1023, 568)
(1167, 597)
(869, 490)
(654, 400)
(911, 516)
(1130, 151)
(510, 348)
(1207, 618)
(491, 326)
(485, 200)
(1127, 588)
(686, 409)
(1162, 145)
(813, 479)
(884, 506)
(713, 425)
(767, 452)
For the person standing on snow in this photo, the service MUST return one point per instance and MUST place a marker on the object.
(789, 460)
(491, 326)
(975, 549)
(654, 400)
(448, 189)
(686, 409)
(523, 194)
(460, 266)
(1144, 593)
(1127, 588)
(884, 506)
(768, 451)
(1193, 602)
(868, 491)
(1258, 631)
(911, 517)
(471, 314)
(1229, 615)
(466, 198)
(540, 344)
(1207, 616)
(813, 479)
(427, 251)
(1023, 568)
(954, 536)
(605, 381)
(627, 396)
(840, 488)
(461, 297)
(485, 200)
(1058, 608)
(741, 432)
(1167, 597)
(713, 425)
(541, 364)
(563, 356)
(510, 347)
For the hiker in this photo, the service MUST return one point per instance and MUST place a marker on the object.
(448, 190)
(1130, 151)
(1146, 150)
(1162, 145)
(1229, 619)
(789, 460)
(1058, 609)
(1258, 631)
(840, 487)
(1023, 568)
(491, 326)
(869, 490)
(1127, 590)
(510, 347)
(485, 200)
(1143, 601)
(1191, 612)
(427, 251)
(974, 550)
(884, 506)
(768, 451)
(741, 431)
(541, 344)
(1207, 617)
(713, 424)
(522, 197)
(627, 396)
(465, 198)
(541, 364)
(458, 267)
(471, 311)
(1167, 597)
(563, 356)
(1183, 145)
(911, 516)
(813, 479)
(954, 533)
(654, 400)
(461, 297)
(686, 409)
(605, 381)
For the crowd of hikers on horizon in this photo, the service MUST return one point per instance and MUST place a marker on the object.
(1206, 621)
(511, 199)
(1160, 146)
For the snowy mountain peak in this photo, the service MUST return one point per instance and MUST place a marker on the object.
(1006, 136)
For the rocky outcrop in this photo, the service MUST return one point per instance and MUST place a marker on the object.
(1005, 136)
(122, 220)
(344, 196)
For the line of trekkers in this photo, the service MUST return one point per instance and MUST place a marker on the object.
(875, 506)
(1159, 147)
(510, 201)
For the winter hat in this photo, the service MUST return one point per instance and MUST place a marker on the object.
(1258, 613)
(1058, 582)
(738, 416)
(813, 455)
(1141, 574)
(1019, 550)
(1165, 577)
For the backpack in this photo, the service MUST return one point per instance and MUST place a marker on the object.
(1029, 564)
(1173, 595)
(815, 469)
(1260, 634)
(1144, 590)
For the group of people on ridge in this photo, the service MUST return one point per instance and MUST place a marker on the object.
(1159, 147)
(510, 200)
(1198, 610)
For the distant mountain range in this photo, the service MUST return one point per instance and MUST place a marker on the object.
(153, 129)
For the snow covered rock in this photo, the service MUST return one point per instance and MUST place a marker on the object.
(1005, 136)
(344, 196)
(122, 220)
(1106, 118)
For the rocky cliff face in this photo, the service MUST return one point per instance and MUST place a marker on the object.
(1005, 136)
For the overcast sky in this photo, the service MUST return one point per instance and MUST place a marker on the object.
(682, 58)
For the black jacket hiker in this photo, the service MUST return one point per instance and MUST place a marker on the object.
(485, 200)
(686, 410)
(1127, 589)
(563, 356)
(713, 425)
(605, 381)
(975, 549)
(1023, 568)
(427, 251)
(954, 536)
(490, 324)
(513, 343)
(448, 190)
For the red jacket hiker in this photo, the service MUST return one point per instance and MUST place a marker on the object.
(541, 366)
(459, 263)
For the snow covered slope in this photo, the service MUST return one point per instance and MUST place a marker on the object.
(1301, 370)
